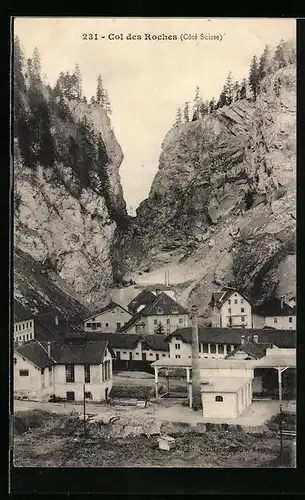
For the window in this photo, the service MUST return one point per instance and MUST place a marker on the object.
(229, 349)
(178, 356)
(241, 301)
(118, 326)
(180, 320)
(155, 321)
(24, 373)
(242, 310)
(177, 346)
(242, 319)
(159, 310)
(229, 310)
(87, 374)
(30, 324)
(235, 301)
(205, 348)
(213, 348)
(15, 361)
(93, 326)
(19, 327)
(23, 337)
(151, 354)
(88, 395)
(23, 325)
(50, 368)
(124, 352)
(168, 321)
(220, 349)
(70, 396)
(174, 310)
(163, 355)
(42, 371)
(69, 373)
(106, 324)
(219, 399)
(27, 325)
(275, 320)
(88, 325)
(290, 320)
(229, 301)
(98, 325)
(235, 294)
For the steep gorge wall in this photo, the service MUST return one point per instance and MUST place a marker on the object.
(221, 209)
(65, 223)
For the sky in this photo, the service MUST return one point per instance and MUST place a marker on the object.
(147, 80)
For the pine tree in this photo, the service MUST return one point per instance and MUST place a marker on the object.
(212, 105)
(222, 98)
(92, 100)
(243, 89)
(254, 77)
(197, 102)
(19, 83)
(265, 63)
(107, 103)
(36, 66)
(159, 329)
(186, 112)
(228, 89)
(204, 108)
(100, 92)
(78, 78)
(236, 91)
(178, 117)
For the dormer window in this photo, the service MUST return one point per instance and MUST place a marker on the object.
(159, 310)
(242, 339)
(174, 310)
(255, 338)
(229, 301)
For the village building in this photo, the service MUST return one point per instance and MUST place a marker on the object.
(110, 318)
(161, 316)
(230, 309)
(226, 386)
(219, 342)
(140, 301)
(275, 313)
(71, 369)
(133, 352)
(45, 325)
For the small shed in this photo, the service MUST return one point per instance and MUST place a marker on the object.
(226, 397)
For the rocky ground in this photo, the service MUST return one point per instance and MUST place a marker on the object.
(43, 439)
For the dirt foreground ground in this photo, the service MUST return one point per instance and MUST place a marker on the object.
(48, 439)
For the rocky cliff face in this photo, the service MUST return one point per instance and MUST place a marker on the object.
(64, 221)
(221, 210)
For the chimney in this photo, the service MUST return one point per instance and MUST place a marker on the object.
(49, 349)
(283, 300)
(56, 320)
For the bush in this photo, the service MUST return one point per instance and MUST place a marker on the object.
(23, 421)
(136, 392)
(288, 422)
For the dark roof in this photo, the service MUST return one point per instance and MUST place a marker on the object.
(219, 298)
(273, 307)
(35, 352)
(129, 340)
(257, 351)
(108, 307)
(46, 328)
(21, 313)
(143, 298)
(281, 338)
(61, 353)
(162, 301)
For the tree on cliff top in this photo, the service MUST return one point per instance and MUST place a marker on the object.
(100, 92)
(254, 77)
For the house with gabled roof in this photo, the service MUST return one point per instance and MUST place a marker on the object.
(163, 315)
(108, 319)
(144, 298)
(230, 309)
(64, 369)
(275, 313)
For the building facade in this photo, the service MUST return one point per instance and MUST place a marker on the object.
(42, 369)
(110, 319)
(24, 330)
(230, 309)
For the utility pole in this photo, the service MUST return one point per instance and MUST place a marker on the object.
(196, 384)
(84, 409)
(281, 434)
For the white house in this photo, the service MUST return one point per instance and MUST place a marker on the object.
(163, 315)
(109, 319)
(24, 330)
(65, 369)
(230, 309)
(275, 313)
